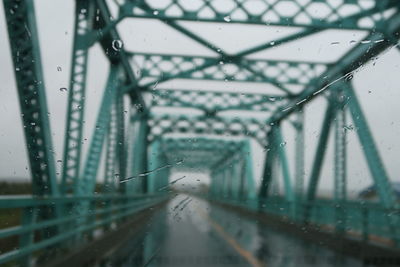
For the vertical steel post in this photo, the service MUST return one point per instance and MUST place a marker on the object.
(248, 171)
(86, 184)
(268, 165)
(139, 161)
(318, 159)
(110, 173)
(24, 44)
(340, 162)
(299, 163)
(375, 164)
(84, 16)
(284, 163)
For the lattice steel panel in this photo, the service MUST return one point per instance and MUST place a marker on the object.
(340, 14)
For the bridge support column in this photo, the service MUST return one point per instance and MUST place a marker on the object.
(340, 162)
(84, 18)
(318, 160)
(299, 164)
(268, 167)
(139, 155)
(375, 164)
(280, 143)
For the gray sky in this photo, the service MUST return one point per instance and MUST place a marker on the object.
(376, 85)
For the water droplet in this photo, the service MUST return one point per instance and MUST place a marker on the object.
(353, 41)
(63, 89)
(33, 124)
(155, 85)
(17, 69)
(155, 12)
(272, 43)
(117, 45)
(348, 127)
(59, 68)
(271, 98)
(59, 160)
(335, 43)
(283, 144)
(221, 63)
(365, 41)
(349, 76)
(227, 18)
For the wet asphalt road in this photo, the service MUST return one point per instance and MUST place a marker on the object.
(190, 232)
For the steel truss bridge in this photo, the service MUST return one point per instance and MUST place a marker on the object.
(134, 157)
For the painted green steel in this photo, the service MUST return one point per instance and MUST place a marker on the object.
(212, 125)
(378, 172)
(140, 156)
(299, 160)
(110, 170)
(121, 207)
(215, 101)
(88, 177)
(23, 37)
(320, 152)
(267, 12)
(231, 68)
(84, 11)
(281, 144)
(365, 219)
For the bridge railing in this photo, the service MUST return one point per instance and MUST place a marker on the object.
(35, 235)
(366, 221)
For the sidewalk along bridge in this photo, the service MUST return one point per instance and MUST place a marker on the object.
(136, 217)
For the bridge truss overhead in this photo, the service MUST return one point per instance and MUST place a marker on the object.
(139, 152)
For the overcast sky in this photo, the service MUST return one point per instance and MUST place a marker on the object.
(376, 85)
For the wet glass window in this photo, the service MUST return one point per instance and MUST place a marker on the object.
(199, 133)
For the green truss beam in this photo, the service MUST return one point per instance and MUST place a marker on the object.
(214, 101)
(169, 123)
(23, 37)
(365, 15)
(280, 73)
(84, 13)
(345, 66)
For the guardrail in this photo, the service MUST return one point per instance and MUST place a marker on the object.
(366, 221)
(68, 226)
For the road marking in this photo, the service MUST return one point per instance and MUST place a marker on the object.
(231, 241)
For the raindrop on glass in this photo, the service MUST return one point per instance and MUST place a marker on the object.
(117, 45)
(227, 18)
(348, 127)
(349, 77)
(63, 89)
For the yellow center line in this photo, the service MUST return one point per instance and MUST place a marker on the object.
(252, 260)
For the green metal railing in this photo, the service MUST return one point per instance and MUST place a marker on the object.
(365, 221)
(32, 234)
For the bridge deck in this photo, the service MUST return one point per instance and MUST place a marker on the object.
(192, 232)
